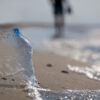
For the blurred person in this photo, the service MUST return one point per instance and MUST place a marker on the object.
(60, 7)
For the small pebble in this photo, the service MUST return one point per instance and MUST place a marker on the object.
(64, 71)
(4, 78)
(38, 82)
(13, 79)
(49, 65)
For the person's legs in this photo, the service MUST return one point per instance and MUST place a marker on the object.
(59, 22)
(57, 25)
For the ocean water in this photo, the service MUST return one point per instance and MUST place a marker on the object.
(79, 43)
(70, 42)
(84, 47)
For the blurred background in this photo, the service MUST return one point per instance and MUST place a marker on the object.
(79, 44)
(11, 11)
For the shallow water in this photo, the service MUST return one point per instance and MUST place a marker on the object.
(71, 95)
(71, 44)
(79, 43)
(83, 47)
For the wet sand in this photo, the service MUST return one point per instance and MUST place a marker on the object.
(13, 88)
(13, 94)
(52, 73)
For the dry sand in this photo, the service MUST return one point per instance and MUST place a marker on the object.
(51, 73)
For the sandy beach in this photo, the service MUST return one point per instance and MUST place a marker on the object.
(13, 94)
(52, 73)
(35, 22)
(50, 70)
(12, 76)
(13, 88)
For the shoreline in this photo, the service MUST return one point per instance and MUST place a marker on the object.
(51, 73)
